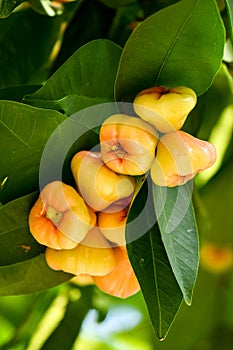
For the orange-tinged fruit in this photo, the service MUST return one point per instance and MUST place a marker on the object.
(60, 218)
(179, 158)
(93, 256)
(216, 259)
(121, 282)
(127, 144)
(112, 224)
(98, 185)
(165, 108)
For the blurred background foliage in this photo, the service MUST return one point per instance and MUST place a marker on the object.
(36, 38)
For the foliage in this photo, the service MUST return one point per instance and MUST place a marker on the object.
(58, 59)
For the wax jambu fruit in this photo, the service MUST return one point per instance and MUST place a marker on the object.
(127, 144)
(112, 224)
(98, 185)
(60, 219)
(165, 108)
(179, 158)
(93, 256)
(121, 281)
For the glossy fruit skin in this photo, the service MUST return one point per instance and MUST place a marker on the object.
(121, 282)
(165, 108)
(97, 184)
(179, 158)
(93, 256)
(112, 224)
(60, 218)
(127, 144)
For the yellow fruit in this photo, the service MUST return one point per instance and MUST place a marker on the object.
(98, 185)
(165, 108)
(60, 219)
(127, 144)
(179, 158)
(112, 224)
(93, 256)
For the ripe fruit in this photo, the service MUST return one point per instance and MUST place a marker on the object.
(60, 218)
(165, 108)
(112, 224)
(121, 281)
(97, 184)
(127, 144)
(93, 256)
(179, 157)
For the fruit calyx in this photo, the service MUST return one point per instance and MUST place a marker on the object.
(54, 215)
(119, 150)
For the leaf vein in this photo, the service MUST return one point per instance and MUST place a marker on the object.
(173, 44)
(16, 135)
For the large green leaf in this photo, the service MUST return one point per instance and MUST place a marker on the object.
(179, 45)
(24, 132)
(150, 263)
(23, 268)
(85, 79)
(177, 224)
(29, 276)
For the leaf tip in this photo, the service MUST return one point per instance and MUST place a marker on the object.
(161, 339)
(188, 300)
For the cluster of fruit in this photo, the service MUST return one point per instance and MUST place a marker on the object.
(84, 230)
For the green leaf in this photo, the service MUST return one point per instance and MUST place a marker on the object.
(16, 242)
(179, 45)
(85, 79)
(229, 7)
(7, 6)
(24, 132)
(30, 276)
(150, 263)
(69, 104)
(177, 225)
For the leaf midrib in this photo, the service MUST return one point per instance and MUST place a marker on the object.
(156, 287)
(174, 252)
(16, 228)
(168, 53)
(16, 135)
